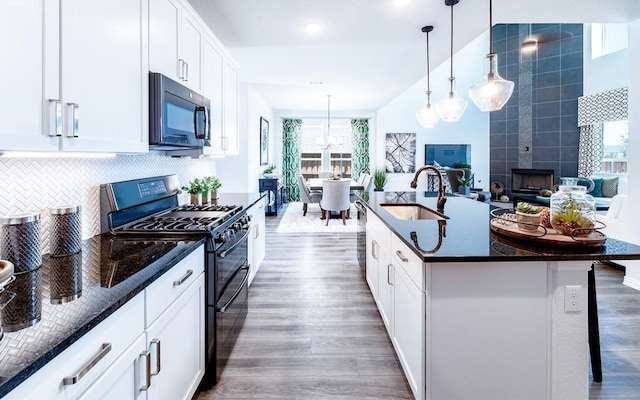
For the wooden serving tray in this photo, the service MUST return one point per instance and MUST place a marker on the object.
(550, 238)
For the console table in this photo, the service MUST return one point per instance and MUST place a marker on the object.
(275, 194)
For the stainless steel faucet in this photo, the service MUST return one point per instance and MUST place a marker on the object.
(442, 195)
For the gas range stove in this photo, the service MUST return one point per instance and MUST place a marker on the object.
(150, 205)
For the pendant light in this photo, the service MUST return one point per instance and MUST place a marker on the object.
(427, 115)
(451, 108)
(492, 92)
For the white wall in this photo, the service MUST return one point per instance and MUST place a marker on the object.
(603, 73)
(240, 173)
(472, 128)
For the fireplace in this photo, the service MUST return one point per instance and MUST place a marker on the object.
(531, 181)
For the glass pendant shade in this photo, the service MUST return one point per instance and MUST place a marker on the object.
(493, 92)
(451, 108)
(427, 116)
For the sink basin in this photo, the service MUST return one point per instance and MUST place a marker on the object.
(413, 212)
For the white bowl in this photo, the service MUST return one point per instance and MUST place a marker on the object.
(271, 176)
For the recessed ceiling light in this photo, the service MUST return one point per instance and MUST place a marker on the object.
(313, 27)
(316, 83)
(400, 3)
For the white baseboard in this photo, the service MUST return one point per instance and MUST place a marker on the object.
(632, 283)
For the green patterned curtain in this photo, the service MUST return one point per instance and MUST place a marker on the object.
(360, 154)
(291, 156)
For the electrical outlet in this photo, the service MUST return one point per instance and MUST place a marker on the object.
(573, 299)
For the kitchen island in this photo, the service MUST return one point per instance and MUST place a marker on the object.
(472, 314)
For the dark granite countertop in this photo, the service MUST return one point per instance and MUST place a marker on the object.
(466, 236)
(70, 295)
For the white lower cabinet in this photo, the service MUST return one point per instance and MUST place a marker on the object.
(395, 278)
(176, 344)
(127, 378)
(408, 304)
(256, 244)
(122, 358)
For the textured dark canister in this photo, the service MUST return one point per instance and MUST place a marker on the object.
(20, 241)
(25, 308)
(65, 278)
(66, 230)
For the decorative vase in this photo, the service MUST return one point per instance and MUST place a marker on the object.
(573, 211)
(196, 199)
(465, 190)
(528, 222)
(206, 197)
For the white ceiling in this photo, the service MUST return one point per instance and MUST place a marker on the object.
(369, 51)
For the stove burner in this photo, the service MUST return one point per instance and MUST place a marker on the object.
(175, 224)
(205, 207)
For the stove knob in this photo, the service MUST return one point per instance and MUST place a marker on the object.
(220, 238)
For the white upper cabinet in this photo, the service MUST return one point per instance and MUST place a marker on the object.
(212, 64)
(77, 76)
(29, 73)
(164, 28)
(230, 104)
(175, 42)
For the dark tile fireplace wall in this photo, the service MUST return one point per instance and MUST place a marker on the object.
(538, 126)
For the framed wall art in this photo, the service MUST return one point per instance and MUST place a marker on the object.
(264, 141)
(400, 152)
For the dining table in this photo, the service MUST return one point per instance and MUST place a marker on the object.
(316, 183)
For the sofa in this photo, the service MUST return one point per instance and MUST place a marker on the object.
(605, 186)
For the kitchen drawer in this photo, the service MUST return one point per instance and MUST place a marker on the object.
(408, 261)
(166, 289)
(378, 230)
(101, 347)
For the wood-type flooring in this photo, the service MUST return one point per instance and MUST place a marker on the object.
(313, 330)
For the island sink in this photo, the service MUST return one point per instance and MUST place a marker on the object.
(413, 212)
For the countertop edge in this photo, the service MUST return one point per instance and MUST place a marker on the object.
(31, 369)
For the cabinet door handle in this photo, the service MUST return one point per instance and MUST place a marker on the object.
(390, 280)
(74, 120)
(75, 378)
(186, 71)
(55, 117)
(184, 278)
(257, 230)
(147, 363)
(401, 256)
(224, 143)
(156, 342)
(374, 244)
(181, 69)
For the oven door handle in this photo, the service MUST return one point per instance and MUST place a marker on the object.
(230, 249)
(240, 288)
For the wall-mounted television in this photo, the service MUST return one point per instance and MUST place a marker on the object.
(447, 155)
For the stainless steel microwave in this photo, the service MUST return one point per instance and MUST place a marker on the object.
(179, 118)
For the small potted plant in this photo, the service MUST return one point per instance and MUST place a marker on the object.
(196, 188)
(211, 184)
(465, 185)
(380, 179)
(528, 216)
(270, 172)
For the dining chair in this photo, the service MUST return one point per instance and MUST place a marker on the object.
(307, 196)
(335, 197)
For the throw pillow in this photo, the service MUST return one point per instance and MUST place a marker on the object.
(609, 187)
(597, 186)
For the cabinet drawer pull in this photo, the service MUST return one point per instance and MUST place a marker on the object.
(147, 356)
(55, 117)
(156, 343)
(73, 119)
(374, 244)
(184, 278)
(401, 256)
(389, 279)
(72, 380)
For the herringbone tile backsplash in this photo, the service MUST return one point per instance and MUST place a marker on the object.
(29, 185)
